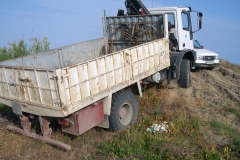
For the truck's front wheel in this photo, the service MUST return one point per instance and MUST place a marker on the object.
(184, 78)
(124, 110)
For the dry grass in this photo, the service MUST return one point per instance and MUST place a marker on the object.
(183, 141)
(199, 130)
(83, 147)
(155, 107)
(227, 64)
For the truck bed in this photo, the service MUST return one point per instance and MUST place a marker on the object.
(62, 81)
(60, 91)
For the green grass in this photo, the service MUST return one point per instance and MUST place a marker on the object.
(212, 155)
(234, 111)
(3, 107)
(233, 148)
(218, 126)
(184, 139)
(136, 142)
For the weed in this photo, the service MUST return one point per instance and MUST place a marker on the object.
(234, 111)
(235, 146)
(185, 127)
(218, 126)
(180, 142)
(136, 144)
(156, 103)
(233, 149)
(212, 155)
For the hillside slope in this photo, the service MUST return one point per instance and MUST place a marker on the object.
(214, 96)
(204, 123)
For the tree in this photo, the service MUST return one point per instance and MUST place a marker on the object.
(19, 49)
(4, 54)
(39, 46)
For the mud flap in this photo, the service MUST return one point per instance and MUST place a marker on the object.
(17, 108)
(105, 123)
(85, 119)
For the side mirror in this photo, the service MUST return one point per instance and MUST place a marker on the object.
(199, 14)
(199, 20)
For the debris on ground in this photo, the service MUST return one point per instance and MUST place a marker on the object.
(162, 127)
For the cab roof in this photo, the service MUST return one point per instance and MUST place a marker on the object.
(169, 8)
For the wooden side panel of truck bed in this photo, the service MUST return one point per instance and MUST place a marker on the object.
(62, 91)
(86, 83)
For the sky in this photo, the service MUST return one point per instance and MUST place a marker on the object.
(67, 22)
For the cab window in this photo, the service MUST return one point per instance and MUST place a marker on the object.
(185, 22)
(171, 19)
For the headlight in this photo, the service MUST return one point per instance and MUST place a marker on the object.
(199, 57)
(216, 58)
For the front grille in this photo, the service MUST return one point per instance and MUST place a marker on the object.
(208, 58)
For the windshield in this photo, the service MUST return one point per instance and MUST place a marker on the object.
(197, 45)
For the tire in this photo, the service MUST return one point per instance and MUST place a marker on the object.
(124, 110)
(184, 78)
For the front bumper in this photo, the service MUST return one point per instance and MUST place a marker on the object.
(206, 64)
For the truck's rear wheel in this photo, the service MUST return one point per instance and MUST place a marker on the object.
(184, 78)
(124, 110)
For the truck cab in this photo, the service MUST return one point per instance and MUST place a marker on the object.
(180, 34)
(181, 25)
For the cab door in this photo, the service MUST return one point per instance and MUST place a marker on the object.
(185, 32)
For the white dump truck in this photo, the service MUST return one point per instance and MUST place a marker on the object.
(89, 84)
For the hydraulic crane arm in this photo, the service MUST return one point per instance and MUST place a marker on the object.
(136, 7)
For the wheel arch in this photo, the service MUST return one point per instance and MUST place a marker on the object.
(184, 54)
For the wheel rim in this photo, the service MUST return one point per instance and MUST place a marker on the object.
(125, 114)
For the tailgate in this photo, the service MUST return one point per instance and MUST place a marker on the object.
(29, 86)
